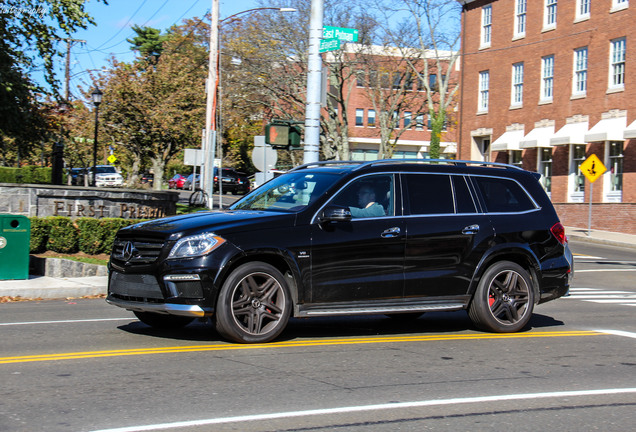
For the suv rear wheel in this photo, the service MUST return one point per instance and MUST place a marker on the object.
(254, 304)
(504, 299)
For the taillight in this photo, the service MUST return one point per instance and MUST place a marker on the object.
(558, 232)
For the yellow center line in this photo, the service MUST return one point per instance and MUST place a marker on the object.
(290, 344)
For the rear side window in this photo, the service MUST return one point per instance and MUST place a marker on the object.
(463, 197)
(503, 195)
(429, 194)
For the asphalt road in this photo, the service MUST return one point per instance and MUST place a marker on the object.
(84, 365)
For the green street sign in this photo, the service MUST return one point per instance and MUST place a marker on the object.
(340, 33)
(329, 45)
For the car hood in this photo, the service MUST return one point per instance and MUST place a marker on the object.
(218, 221)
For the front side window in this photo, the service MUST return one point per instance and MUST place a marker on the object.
(368, 196)
(550, 15)
(429, 194)
(502, 195)
(520, 18)
(617, 63)
(486, 26)
(579, 81)
(517, 84)
(547, 77)
(484, 84)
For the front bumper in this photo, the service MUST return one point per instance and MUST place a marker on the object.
(193, 311)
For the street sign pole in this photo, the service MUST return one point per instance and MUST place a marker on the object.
(592, 168)
(589, 212)
(314, 80)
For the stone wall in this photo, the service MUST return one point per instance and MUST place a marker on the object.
(74, 201)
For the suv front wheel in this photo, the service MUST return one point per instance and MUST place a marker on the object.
(504, 299)
(254, 304)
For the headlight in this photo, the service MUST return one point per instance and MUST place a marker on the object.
(196, 245)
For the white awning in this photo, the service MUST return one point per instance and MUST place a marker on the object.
(571, 133)
(609, 129)
(538, 137)
(630, 132)
(508, 141)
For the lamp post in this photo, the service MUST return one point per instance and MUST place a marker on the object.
(212, 84)
(96, 95)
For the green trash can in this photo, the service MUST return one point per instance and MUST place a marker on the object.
(15, 237)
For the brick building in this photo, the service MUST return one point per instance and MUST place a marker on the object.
(413, 123)
(546, 84)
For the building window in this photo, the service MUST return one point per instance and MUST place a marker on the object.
(404, 155)
(432, 82)
(397, 80)
(617, 63)
(582, 9)
(364, 155)
(517, 84)
(616, 166)
(550, 15)
(619, 5)
(547, 78)
(407, 119)
(545, 168)
(484, 84)
(419, 122)
(580, 72)
(578, 157)
(514, 158)
(371, 118)
(359, 117)
(520, 18)
(486, 26)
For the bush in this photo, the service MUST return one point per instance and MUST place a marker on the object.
(63, 235)
(39, 234)
(27, 174)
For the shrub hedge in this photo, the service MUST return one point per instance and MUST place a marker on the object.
(27, 174)
(65, 235)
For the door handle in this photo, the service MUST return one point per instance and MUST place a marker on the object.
(391, 232)
(471, 229)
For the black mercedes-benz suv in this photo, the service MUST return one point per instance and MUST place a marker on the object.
(383, 237)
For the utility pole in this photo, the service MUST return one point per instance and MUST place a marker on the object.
(210, 113)
(314, 82)
(67, 77)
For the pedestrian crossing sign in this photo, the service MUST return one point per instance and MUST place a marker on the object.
(592, 168)
(112, 158)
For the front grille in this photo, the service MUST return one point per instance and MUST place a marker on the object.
(135, 285)
(143, 250)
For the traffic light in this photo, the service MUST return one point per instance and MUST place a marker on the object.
(283, 134)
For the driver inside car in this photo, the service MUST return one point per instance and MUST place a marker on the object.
(367, 205)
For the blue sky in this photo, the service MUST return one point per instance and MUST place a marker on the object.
(114, 22)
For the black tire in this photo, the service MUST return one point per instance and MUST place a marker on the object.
(162, 321)
(254, 304)
(504, 299)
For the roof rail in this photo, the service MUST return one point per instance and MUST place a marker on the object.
(397, 161)
(445, 161)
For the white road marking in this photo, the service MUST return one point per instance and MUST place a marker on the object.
(65, 321)
(362, 408)
(596, 295)
(619, 333)
(603, 270)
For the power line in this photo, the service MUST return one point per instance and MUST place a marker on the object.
(124, 26)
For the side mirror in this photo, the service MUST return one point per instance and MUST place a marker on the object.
(335, 214)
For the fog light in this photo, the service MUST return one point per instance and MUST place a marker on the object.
(181, 277)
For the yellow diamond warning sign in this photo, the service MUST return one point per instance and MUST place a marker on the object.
(592, 168)
(112, 158)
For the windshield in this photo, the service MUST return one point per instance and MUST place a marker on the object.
(105, 170)
(291, 192)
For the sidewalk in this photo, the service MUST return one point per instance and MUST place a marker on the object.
(46, 287)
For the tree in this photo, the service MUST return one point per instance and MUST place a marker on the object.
(432, 28)
(153, 111)
(148, 42)
(30, 32)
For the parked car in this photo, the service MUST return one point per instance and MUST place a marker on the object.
(343, 238)
(176, 182)
(231, 181)
(147, 178)
(187, 185)
(77, 176)
(105, 175)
